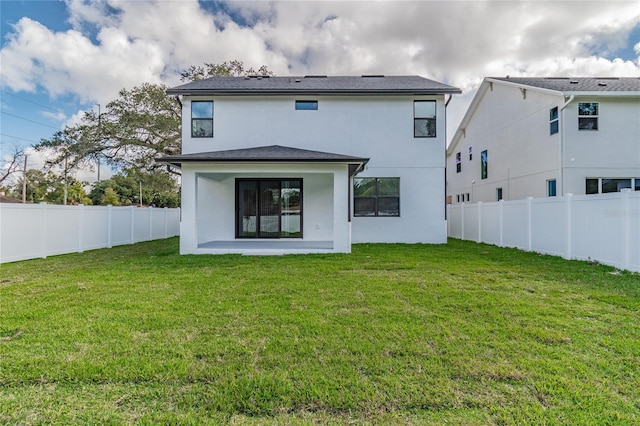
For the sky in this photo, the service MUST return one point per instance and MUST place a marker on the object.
(61, 58)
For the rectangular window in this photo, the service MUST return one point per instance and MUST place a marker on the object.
(376, 197)
(615, 185)
(458, 162)
(468, 199)
(551, 188)
(592, 186)
(484, 164)
(202, 119)
(458, 198)
(588, 116)
(470, 153)
(499, 194)
(306, 105)
(553, 121)
(637, 184)
(424, 119)
(269, 208)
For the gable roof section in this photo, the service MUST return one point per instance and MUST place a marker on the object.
(263, 154)
(561, 86)
(314, 85)
(576, 85)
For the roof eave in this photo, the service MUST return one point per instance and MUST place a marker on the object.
(279, 92)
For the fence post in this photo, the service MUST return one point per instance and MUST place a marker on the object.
(479, 221)
(132, 224)
(462, 221)
(626, 208)
(569, 225)
(165, 221)
(150, 223)
(529, 224)
(501, 204)
(43, 234)
(80, 227)
(109, 226)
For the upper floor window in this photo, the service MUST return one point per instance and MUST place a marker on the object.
(376, 197)
(202, 119)
(458, 162)
(551, 188)
(553, 121)
(484, 164)
(470, 153)
(588, 115)
(424, 119)
(306, 105)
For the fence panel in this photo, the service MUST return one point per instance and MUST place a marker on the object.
(29, 231)
(601, 227)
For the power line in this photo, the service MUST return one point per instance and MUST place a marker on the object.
(27, 119)
(18, 137)
(30, 101)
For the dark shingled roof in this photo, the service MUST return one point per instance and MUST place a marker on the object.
(578, 84)
(271, 154)
(376, 84)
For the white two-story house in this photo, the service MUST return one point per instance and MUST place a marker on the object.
(540, 137)
(274, 165)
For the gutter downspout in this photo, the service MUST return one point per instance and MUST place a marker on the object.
(561, 147)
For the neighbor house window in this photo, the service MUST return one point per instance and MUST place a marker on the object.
(553, 121)
(551, 188)
(484, 164)
(202, 119)
(424, 119)
(588, 116)
(376, 197)
(605, 185)
(498, 194)
(470, 153)
(458, 162)
(306, 105)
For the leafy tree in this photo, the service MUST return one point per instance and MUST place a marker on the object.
(226, 69)
(49, 187)
(158, 188)
(139, 126)
(110, 197)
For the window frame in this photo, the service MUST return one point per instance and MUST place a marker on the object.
(554, 121)
(484, 164)
(205, 119)
(589, 117)
(376, 197)
(552, 188)
(306, 105)
(429, 119)
(458, 162)
(259, 210)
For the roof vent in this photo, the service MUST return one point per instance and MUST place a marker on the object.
(602, 84)
(573, 82)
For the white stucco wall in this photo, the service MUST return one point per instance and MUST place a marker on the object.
(375, 127)
(523, 155)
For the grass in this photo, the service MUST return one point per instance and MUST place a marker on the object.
(462, 333)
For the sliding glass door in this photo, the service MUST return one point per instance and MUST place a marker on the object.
(268, 208)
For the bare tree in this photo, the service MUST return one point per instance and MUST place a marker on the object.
(11, 164)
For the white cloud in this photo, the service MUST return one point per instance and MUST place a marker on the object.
(122, 43)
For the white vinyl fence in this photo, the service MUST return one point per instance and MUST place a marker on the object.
(29, 231)
(603, 227)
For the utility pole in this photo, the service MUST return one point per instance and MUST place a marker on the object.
(24, 181)
(99, 138)
(64, 201)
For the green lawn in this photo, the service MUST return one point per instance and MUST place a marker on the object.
(403, 334)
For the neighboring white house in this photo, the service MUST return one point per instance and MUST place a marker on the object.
(539, 137)
(274, 165)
